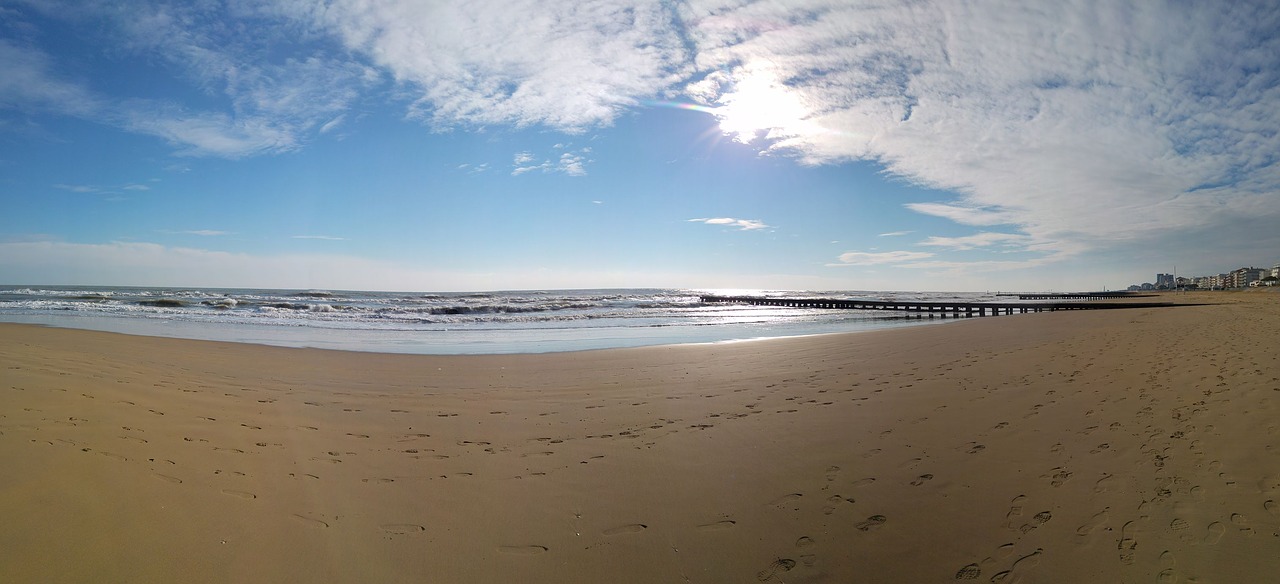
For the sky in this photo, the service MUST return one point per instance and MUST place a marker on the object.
(731, 144)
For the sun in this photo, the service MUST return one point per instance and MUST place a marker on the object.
(757, 105)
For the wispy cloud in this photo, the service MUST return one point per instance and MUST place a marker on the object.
(1065, 130)
(895, 233)
(201, 232)
(1079, 125)
(29, 83)
(96, 189)
(572, 163)
(741, 224)
(78, 188)
(864, 258)
(568, 66)
(979, 240)
(275, 105)
(322, 237)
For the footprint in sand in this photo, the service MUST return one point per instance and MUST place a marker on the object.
(1214, 533)
(1104, 484)
(1098, 520)
(402, 528)
(835, 500)
(783, 501)
(1057, 476)
(1020, 568)
(717, 526)
(1241, 522)
(970, 572)
(778, 566)
(522, 550)
(1271, 506)
(872, 522)
(922, 479)
(1015, 510)
(240, 494)
(1127, 543)
(309, 522)
(167, 478)
(629, 528)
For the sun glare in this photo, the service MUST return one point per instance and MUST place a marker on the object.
(759, 104)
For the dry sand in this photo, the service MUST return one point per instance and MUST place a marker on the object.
(1140, 445)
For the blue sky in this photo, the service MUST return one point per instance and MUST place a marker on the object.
(721, 144)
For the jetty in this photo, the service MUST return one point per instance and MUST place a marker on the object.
(943, 309)
(1077, 295)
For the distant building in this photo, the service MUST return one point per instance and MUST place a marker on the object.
(1165, 281)
(1245, 277)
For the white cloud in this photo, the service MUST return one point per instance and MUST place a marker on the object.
(203, 232)
(94, 189)
(863, 258)
(29, 83)
(571, 163)
(565, 65)
(1076, 124)
(322, 237)
(1084, 125)
(77, 188)
(274, 104)
(149, 264)
(984, 239)
(895, 233)
(741, 224)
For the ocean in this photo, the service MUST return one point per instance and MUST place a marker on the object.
(447, 323)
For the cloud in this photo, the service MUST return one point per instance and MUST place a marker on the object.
(149, 264)
(895, 233)
(863, 258)
(1084, 125)
(984, 239)
(741, 224)
(564, 65)
(323, 237)
(200, 232)
(30, 84)
(571, 163)
(94, 189)
(78, 188)
(1079, 125)
(274, 105)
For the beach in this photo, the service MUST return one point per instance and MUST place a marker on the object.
(1137, 445)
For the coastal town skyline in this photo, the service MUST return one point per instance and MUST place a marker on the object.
(458, 146)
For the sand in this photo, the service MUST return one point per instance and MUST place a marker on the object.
(1140, 445)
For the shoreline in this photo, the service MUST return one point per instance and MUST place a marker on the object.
(1057, 447)
(460, 342)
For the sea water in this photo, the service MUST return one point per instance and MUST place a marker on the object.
(447, 323)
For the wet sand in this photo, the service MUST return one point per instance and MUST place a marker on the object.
(1139, 445)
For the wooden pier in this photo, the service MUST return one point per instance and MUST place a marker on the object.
(1077, 295)
(943, 309)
